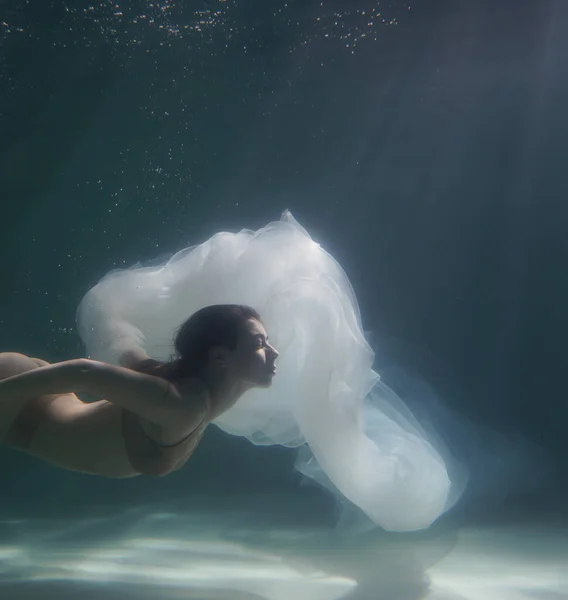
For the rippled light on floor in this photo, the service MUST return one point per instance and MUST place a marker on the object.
(146, 554)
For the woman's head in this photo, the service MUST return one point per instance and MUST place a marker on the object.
(229, 339)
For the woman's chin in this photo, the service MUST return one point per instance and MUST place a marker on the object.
(266, 382)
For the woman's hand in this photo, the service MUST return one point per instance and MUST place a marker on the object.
(132, 357)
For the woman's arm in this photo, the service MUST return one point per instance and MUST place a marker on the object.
(150, 397)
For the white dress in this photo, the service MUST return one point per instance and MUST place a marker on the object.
(362, 443)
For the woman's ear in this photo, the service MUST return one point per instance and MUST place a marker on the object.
(218, 356)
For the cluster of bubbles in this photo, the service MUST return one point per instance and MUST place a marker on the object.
(225, 23)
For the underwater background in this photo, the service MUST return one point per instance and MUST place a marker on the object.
(422, 143)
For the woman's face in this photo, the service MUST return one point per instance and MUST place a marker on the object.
(253, 360)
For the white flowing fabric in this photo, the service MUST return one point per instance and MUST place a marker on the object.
(362, 441)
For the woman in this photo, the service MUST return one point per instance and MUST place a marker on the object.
(153, 414)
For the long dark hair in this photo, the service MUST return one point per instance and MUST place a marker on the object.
(215, 325)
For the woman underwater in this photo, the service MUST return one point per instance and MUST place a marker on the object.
(356, 438)
(153, 414)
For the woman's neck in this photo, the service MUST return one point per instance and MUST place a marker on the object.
(223, 392)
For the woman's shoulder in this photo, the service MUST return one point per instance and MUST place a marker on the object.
(195, 392)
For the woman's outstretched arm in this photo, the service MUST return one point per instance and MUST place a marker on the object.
(152, 398)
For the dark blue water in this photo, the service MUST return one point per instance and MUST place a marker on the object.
(423, 142)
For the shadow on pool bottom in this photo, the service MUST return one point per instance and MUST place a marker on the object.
(161, 553)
